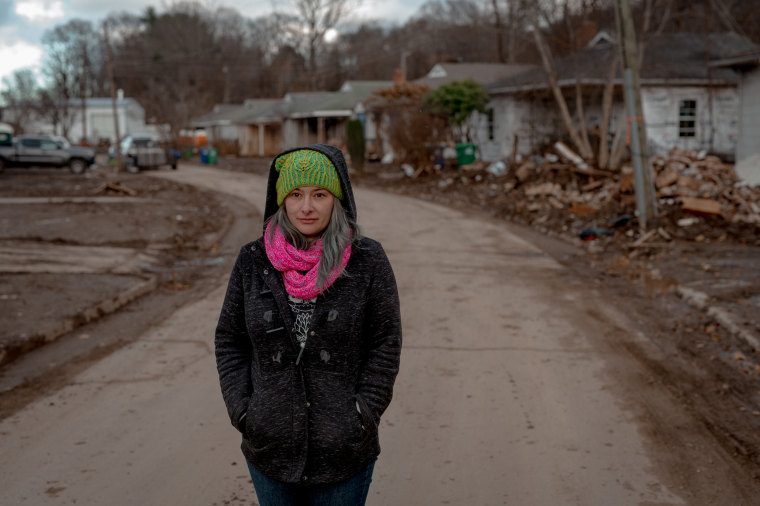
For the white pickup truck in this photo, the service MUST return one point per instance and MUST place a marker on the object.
(145, 152)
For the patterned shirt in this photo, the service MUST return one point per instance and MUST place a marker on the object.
(302, 310)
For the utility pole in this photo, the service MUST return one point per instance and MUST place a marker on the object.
(645, 198)
(83, 89)
(404, 54)
(109, 57)
(226, 72)
(497, 25)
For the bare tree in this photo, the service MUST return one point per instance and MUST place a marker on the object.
(68, 69)
(510, 27)
(241, 55)
(603, 157)
(498, 28)
(318, 17)
(371, 52)
(459, 30)
(21, 97)
(173, 63)
(583, 147)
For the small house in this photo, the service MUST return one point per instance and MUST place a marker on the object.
(687, 103)
(98, 116)
(264, 127)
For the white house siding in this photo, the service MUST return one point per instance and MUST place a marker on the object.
(535, 124)
(100, 124)
(135, 118)
(490, 149)
(370, 129)
(748, 146)
(222, 133)
(384, 129)
(715, 106)
(291, 133)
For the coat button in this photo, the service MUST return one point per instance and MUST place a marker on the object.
(305, 478)
(312, 333)
(266, 271)
(308, 404)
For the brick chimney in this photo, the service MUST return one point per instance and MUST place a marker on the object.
(585, 33)
(398, 77)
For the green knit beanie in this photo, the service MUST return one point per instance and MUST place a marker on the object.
(306, 167)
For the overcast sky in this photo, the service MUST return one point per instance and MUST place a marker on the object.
(22, 22)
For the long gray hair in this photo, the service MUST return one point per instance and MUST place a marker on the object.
(341, 230)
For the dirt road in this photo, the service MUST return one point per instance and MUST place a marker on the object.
(518, 386)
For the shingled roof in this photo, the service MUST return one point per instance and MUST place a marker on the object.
(251, 111)
(669, 58)
(483, 73)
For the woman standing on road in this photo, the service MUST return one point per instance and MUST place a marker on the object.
(309, 338)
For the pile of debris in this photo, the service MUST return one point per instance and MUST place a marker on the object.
(705, 186)
(699, 197)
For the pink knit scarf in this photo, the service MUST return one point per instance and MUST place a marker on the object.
(300, 267)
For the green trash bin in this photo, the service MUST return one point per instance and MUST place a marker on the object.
(465, 154)
(213, 156)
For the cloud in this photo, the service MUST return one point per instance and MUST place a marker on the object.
(40, 10)
(19, 55)
(394, 11)
(98, 9)
(6, 12)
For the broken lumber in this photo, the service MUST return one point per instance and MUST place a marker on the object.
(701, 206)
(582, 209)
(571, 155)
(666, 178)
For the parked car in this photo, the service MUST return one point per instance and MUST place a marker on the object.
(46, 151)
(145, 152)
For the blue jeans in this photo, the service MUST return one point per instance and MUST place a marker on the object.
(351, 492)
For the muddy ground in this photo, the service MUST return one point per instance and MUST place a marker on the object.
(75, 247)
(175, 242)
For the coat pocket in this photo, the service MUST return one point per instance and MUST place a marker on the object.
(269, 419)
(368, 424)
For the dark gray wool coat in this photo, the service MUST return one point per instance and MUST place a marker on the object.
(301, 420)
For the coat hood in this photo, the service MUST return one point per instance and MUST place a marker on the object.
(336, 157)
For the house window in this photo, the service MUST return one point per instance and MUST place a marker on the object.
(490, 124)
(687, 118)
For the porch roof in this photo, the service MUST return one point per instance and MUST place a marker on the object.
(221, 114)
(748, 59)
(331, 104)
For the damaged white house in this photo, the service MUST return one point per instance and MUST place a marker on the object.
(687, 103)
